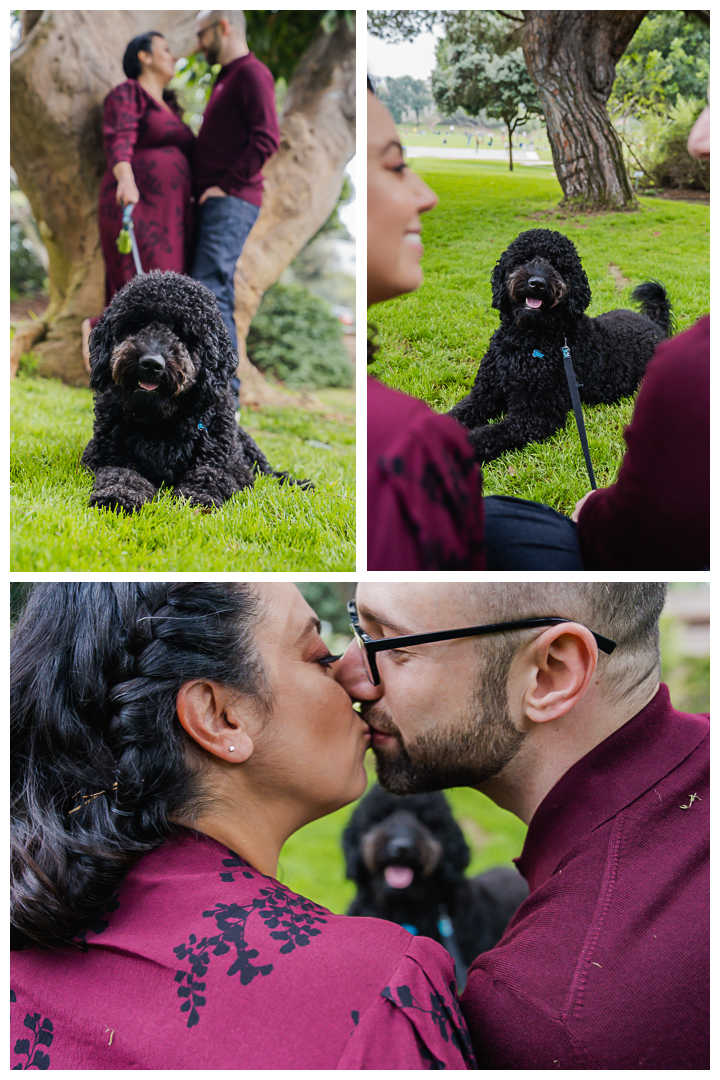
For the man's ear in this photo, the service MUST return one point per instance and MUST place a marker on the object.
(558, 668)
(205, 713)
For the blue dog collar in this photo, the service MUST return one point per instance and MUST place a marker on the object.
(538, 353)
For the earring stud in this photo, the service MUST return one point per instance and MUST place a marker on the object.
(231, 747)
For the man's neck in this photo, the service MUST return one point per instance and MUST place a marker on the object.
(550, 749)
(235, 51)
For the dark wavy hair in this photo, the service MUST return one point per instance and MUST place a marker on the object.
(131, 61)
(95, 673)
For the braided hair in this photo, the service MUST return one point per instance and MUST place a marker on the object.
(95, 673)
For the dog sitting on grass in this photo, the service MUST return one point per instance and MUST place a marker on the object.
(161, 362)
(408, 857)
(541, 291)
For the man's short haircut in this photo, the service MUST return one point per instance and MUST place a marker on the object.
(236, 19)
(627, 613)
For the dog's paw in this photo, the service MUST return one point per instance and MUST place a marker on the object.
(286, 478)
(107, 501)
(202, 502)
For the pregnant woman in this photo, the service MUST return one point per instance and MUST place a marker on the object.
(147, 154)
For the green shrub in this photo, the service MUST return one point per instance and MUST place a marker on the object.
(27, 274)
(671, 166)
(295, 338)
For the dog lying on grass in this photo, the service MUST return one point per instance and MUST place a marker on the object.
(408, 857)
(541, 291)
(161, 362)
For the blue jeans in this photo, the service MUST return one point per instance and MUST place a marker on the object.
(223, 227)
(524, 535)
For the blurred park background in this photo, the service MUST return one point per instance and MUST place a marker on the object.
(311, 863)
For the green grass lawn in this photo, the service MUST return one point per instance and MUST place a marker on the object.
(433, 340)
(268, 528)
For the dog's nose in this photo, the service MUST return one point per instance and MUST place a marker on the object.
(151, 364)
(535, 283)
(399, 847)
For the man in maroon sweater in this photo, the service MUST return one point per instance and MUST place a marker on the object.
(656, 516)
(238, 134)
(563, 721)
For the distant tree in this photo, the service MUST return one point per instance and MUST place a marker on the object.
(571, 57)
(470, 77)
(404, 94)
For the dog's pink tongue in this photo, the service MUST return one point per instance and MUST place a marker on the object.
(149, 385)
(533, 303)
(399, 877)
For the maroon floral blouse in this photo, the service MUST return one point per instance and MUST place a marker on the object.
(200, 961)
(158, 145)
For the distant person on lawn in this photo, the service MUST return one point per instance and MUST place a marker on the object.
(656, 516)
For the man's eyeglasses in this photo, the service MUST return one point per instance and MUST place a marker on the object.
(370, 646)
(201, 33)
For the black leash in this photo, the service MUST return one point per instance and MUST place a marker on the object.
(577, 409)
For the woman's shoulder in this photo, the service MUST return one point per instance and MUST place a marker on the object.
(128, 92)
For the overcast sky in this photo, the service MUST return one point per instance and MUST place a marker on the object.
(416, 58)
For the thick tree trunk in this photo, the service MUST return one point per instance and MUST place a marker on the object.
(303, 180)
(571, 58)
(60, 74)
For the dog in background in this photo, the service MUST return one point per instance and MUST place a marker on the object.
(408, 857)
(161, 362)
(541, 291)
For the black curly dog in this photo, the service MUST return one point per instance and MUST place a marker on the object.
(161, 361)
(408, 856)
(541, 291)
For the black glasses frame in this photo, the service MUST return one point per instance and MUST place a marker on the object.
(370, 646)
(211, 26)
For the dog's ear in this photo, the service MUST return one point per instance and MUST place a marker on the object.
(212, 346)
(500, 296)
(456, 853)
(102, 341)
(351, 846)
(579, 294)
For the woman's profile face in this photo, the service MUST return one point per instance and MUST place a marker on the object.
(396, 199)
(310, 753)
(160, 59)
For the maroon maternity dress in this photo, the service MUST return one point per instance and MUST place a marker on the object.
(200, 961)
(158, 145)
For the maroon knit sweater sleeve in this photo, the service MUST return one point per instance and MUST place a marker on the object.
(124, 108)
(656, 516)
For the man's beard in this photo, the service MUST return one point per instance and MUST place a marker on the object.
(212, 54)
(466, 753)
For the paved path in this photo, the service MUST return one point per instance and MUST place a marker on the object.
(521, 157)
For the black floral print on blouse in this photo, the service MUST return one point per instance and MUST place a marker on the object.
(290, 919)
(42, 1035)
